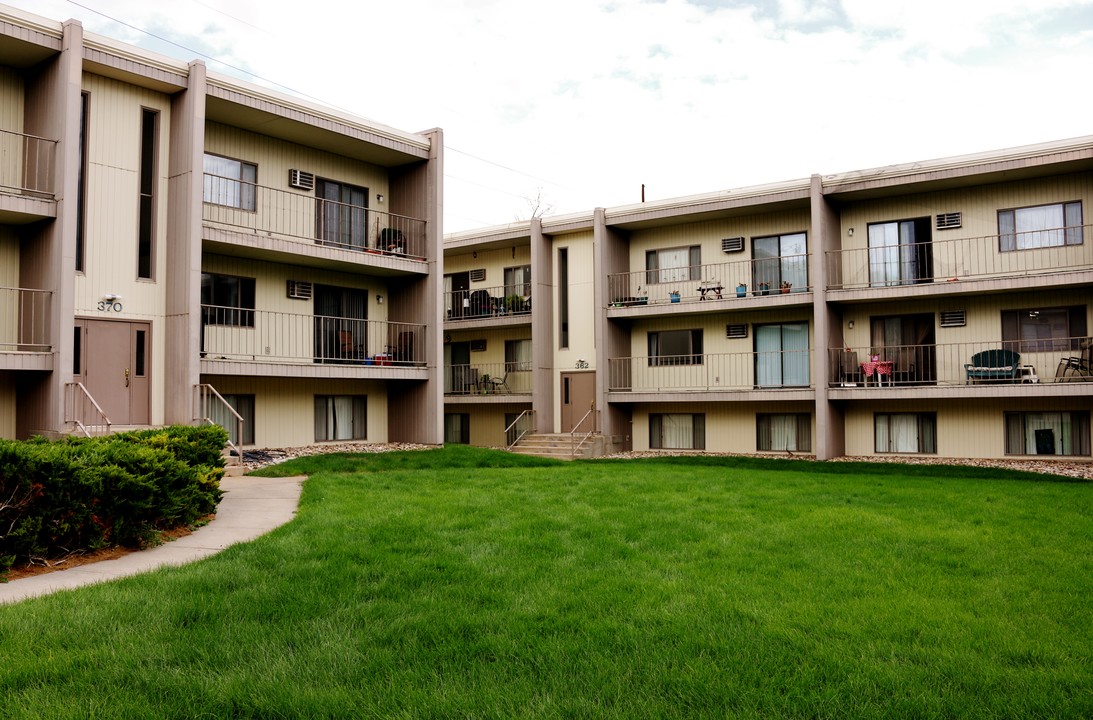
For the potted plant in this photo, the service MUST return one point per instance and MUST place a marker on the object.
(786, 286)
(763, 289)
(741, 290)
(673, 295)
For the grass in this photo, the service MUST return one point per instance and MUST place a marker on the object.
(471, 583)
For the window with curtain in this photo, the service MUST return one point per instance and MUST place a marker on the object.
(457, 428)
(242, 404)
(786, 432)
(517, 355)
(677, 431)
(909, 342)
(781, 355)
(227, 300)
(675, 347)
(1047, 433)
(900, 252)
(1039, 227)
(518, 281)
(673, 265)
(905, 433)
(230, 182)
(342, 217)
(341, 417)
(778, 259)
(1043, 329)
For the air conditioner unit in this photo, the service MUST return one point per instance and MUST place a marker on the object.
(953, 318)
(478, 275)
(736, 331)
(299, 289)
(948, 221)
(301, 180)
(731, 245)
(478, 345)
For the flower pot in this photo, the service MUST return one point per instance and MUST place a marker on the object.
(785, 290)
(674, 297)
(741, 290)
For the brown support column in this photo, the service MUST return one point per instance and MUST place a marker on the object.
(830, 423)
(542, 328)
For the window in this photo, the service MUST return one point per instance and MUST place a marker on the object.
(1039, 227)
(457, 428)
(905, 432)
(342, 218)
(242, 404)
(227, 300)
(517, 355)
(81, 183)
(673, 265)
(900, 253)
(907, 341)
(1043, 329)
(230, 182)
(341, 417)
(1047, 433)
(677, 431)
(780, 259)
(563, 297)
(790, 432)
(518, 281)
(781, 355)
(149, 144)
(675, 347)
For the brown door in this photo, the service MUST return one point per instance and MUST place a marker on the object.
(114, 365)
(578, 397)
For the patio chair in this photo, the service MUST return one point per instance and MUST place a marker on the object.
(1078, 368)
(850, 374)
(496, 383)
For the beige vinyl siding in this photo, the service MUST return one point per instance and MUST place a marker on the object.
(9, 278)
(493, 262)
(7, 405)
(583, 313)
(11, 119)
(284, 408)
(730, 427)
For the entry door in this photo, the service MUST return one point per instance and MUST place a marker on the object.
(578, 397)
(114, 364)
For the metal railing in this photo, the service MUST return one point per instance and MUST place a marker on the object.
(24, 319)
(27, 163)
(981, 363)
(574, 446)
(488, 379)
(209, 403)
(961, 259)
(714, 372)
(304, 217)
(82, 412)
(713, 281)
(266, 336)
(518, 428)
(497, 301)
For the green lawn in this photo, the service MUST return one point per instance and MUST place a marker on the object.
(470, 583)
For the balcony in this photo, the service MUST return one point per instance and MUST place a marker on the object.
(745, 372)
(24, 329)
(503, 302)
(945, 263)
(295, 217)
(498, 380)
(27, 167)
(717, 282)
(967, 369)
(299, 345)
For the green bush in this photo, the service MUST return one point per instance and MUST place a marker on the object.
(84, 494)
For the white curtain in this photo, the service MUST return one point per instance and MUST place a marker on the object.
(674, 265)
(783, 432)
(678, 432)
(1039, 227)
(1058, 423)
(768, 355)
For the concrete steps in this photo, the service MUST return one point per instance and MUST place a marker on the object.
(556, 445)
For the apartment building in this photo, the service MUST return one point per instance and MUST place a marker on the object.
(939, 307)
(180, 247)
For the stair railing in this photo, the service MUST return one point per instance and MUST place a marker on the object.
(79, 405)
(574, 446)
(520, 430)
(205, 398)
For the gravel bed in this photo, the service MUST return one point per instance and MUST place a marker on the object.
(254, 459)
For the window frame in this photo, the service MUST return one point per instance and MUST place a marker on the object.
(790, 362)
(513, 353)
(657, 274)
(147, 186)
(695, 356)
(1070, 233)
(245, 194)
(656, 431)
(902, 262)
(764, 432)
(358, 413)
(925, 442)
(1015, 321)
(1016, 424)
(240, 314)
(242, 403)
(776, 269)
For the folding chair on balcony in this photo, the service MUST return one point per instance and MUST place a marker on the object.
(1078, 368)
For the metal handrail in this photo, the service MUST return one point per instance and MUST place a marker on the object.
(527, 413)
(202, 393)
(574, 446)
(76, 392)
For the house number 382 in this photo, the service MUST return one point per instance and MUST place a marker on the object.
(109, 306)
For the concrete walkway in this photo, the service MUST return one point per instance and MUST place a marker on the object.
(251, 506)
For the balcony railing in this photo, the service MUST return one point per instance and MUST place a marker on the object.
(277, 337)
(716, 372)
(978, 258)
(498, 301)
(714, 281)
(24, 320)
(513, 378)
(27, 163)
(308, 219)
(988, 363)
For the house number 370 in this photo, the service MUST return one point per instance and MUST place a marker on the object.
(110, 306)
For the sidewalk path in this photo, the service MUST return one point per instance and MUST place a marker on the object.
(251, 506)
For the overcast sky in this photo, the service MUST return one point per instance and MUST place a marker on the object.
(581, 101)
